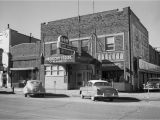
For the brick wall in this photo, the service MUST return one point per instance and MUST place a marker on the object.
(26, 55)
(154, 56)
(104, 23)
(18, 38)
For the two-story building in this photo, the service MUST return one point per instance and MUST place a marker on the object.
(117, 39)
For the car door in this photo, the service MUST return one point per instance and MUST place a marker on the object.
(90, 89)
(84, 89)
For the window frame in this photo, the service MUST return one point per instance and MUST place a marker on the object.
(106, 40)
(56, 71)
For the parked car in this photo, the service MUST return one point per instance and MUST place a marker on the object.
(152, 84)
(33, 87)
(98, 89)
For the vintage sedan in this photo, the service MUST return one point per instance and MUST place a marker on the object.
(152, 84)
(98, 89)
(33, 87)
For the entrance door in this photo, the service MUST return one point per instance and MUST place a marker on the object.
(79, 80)
(82, 78)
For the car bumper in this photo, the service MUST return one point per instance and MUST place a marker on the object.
(106, 95)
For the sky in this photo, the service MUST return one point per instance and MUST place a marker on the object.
(26, 16)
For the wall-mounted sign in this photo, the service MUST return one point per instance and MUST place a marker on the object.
(111, 56)
(60, 59)
(64, 46)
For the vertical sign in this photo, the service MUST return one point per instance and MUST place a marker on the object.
(4, 44)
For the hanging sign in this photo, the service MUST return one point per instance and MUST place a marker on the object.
(64, 46)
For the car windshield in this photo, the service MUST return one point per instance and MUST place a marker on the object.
(101, 84)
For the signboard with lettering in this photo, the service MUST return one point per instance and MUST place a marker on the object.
(61, 59)
(111, 56)
(64, 46)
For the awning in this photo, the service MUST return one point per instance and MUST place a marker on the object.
(26, 68)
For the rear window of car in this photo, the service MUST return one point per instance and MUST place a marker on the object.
(35, 82)
(101, 84)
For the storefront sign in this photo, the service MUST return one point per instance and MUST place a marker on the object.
(110, 56)
(61, 59)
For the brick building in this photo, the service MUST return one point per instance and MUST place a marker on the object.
(25, 62)
(117, 39)
(8, 39)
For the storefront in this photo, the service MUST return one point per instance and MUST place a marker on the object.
(146, 71)
(67, 69)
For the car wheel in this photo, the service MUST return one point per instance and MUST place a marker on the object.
(82, 96)
(25, 95)
(111, 99)
(93, 98)
(43, 95)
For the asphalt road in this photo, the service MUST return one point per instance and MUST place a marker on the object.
(62, 107)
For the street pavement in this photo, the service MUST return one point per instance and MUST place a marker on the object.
(67, 105)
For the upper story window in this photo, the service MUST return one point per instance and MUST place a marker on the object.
(109, 44)
(53, 48)
(85, 45)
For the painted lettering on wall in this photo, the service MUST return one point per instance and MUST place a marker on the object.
(110, 56)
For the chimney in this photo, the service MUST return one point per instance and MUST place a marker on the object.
(30, 38)
(8, 26)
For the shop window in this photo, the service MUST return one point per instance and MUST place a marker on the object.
(109, 43)
(55, 70)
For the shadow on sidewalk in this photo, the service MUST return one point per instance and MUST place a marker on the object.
(123, 99)
(51, 95)
(6, 92)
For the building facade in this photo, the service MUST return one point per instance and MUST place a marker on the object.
(25, 63)
(8, 39)
(116, 39)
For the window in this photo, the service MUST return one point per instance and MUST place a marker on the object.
(53, 48)
(109, 43)
(55, 70)
(85, 45)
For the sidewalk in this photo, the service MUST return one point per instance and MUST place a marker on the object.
(75, 93)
